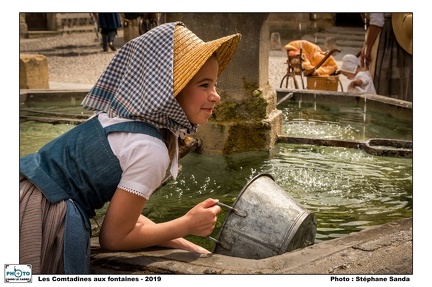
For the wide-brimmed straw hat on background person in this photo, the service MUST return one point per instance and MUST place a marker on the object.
(403, 29)
(191, 53)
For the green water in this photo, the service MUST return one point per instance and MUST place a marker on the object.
(33, 135)
(348, 189)
(344, 122)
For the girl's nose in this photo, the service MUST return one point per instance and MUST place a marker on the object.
(214, 96)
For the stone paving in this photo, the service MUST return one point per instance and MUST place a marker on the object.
(77, 60)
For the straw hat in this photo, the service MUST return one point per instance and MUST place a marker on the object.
(191, 53)
(349, 64)
(403, 30)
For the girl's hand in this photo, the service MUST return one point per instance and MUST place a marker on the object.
(202, 218)
(355, 83)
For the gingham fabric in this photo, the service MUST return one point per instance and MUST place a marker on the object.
(138, 83)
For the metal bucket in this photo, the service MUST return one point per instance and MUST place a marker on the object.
(265, 221)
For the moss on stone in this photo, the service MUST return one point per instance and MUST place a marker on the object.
(246, 137)
(252, 108)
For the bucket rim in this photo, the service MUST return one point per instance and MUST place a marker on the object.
(294, 227)
(249, 183)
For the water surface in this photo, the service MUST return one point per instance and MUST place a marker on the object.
(348, 189)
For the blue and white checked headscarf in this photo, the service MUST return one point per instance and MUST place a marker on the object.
(138, 83)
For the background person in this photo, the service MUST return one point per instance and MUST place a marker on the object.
(361, 80)
(108, 23)
(387, 53)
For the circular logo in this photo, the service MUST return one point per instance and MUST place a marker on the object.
(18, 273)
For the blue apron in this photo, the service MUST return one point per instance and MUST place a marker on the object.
(80, 168)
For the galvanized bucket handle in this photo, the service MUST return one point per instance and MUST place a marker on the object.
(237, 212)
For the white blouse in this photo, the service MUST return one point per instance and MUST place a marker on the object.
(367, 86)
(143, 158)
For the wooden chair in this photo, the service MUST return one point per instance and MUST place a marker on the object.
(294, 69)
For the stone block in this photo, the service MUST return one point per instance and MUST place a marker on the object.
(33, 71)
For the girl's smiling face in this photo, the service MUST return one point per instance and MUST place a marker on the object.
(199, 96)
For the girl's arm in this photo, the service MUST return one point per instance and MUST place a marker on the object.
(355, 83)
(124, 228)
(178, 243)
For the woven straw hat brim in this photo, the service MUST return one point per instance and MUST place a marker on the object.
(191, 53)
(402, 28)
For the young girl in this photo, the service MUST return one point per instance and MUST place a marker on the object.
(159, 86)
(362, 82)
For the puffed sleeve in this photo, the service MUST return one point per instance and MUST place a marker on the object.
(144, 162)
